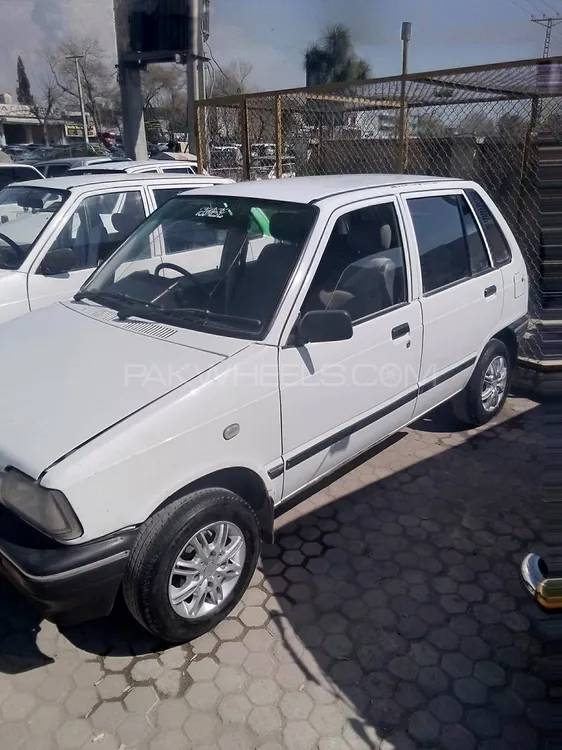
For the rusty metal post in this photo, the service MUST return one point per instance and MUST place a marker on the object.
(245, 139)
(201, 138)
(278, 138)
(401, 155)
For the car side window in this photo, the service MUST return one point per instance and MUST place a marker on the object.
(57, 170)
(499, 246)
(99, 225)
(163, 195)
(178, 170)
(362, 269)
(441, 241)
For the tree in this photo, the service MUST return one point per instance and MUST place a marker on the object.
(23, 90)
(43, 109)
(477, 124)
(511, 127)
(333, 59)
(98, 77)
(165, 100)
(233, 79)
(431, 126)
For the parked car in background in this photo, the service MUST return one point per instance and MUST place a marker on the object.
(16, 153)
(17, 173)
(59, 167)
(185, 394)
(54, 232)
(139, 167)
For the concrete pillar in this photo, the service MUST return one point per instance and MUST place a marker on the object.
(134, 136)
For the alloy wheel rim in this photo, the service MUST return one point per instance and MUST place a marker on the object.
(207, 570)
(494, 383)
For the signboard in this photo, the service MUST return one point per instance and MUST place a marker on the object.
(75, 130)
(154, 30)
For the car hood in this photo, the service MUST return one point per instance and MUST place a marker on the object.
(66, 377)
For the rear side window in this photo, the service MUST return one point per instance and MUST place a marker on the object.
(499, 246)
(57, 170)
(450, 245)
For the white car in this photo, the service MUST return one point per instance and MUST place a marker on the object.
(54, 232)
(154, 166)
(150, 427)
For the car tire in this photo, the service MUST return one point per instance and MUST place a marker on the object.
(470, 406)
(182, 536)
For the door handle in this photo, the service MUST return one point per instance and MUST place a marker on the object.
(490, 291)
(400, 331)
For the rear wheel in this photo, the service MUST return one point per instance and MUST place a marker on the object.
(487, 389)
(191, 564)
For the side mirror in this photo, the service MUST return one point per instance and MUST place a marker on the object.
(325, 325)
(60, 260)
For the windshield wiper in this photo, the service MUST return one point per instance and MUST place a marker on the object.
(191, 313)
(105, 297)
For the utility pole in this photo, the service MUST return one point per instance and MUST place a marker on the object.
(406, 35)
(80, 94)
(549, 24)
(191, 67)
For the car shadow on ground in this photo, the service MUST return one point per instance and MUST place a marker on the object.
(396, 590)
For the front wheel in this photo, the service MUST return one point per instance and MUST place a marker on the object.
(191, 564)
(487, 389)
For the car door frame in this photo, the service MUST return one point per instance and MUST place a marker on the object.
(70, 209)
(461, 374)
(311, 262)
(303, 274)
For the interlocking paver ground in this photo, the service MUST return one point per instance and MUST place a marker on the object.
(389, 614)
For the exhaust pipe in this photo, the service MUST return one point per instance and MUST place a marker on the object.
(546, 591)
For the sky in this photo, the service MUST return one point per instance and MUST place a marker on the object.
(273, 34)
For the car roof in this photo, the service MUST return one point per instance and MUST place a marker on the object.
(18, 165)
(74, 182)
(121, 166)
(311, 189)
(75, 160)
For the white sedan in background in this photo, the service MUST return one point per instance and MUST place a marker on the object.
(55, 232)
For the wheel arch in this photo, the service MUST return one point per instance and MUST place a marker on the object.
(242, 481)
(508, 337)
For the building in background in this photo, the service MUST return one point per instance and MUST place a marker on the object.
(18, 124)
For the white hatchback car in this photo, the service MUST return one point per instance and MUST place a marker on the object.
(177, 406)
(54, 232)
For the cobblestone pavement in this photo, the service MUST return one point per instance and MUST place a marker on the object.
(388, 615)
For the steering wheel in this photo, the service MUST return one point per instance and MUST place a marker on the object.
(179, 269)
(14, 245)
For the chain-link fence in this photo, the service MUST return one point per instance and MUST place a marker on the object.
(500, 125)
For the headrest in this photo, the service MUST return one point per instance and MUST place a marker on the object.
(122, 223)
(386, 236)
(31, 201)
(287, 227)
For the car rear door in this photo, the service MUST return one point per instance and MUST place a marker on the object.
(462, 292)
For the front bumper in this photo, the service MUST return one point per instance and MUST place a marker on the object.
(69, 584)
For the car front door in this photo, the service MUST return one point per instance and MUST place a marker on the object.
(462, 293)
(339, 398)
(93, 231)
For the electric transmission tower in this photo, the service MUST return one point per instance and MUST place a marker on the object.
(549, 24)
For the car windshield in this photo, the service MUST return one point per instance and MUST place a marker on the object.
(24, 213)
(212, 263)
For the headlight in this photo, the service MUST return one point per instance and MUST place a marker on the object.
(47, 510)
